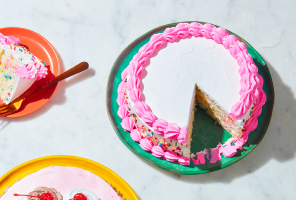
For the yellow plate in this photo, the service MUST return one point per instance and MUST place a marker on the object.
(32, 166)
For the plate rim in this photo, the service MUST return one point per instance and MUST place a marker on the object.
(120, 59)
(58, 67)
(66, 160)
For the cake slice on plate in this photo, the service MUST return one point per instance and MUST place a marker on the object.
(19, 69)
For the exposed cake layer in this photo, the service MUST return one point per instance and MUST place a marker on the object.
(218, 113)
(18, 71)
(8, 78)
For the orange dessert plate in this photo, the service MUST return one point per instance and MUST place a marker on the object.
(41, 48)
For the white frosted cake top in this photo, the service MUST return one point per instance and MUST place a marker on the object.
(174, 71)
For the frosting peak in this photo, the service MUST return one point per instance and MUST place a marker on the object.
(8, 40)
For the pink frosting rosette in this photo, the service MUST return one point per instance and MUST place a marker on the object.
(146, 144)
(135, 95)
(157, 151)
(135, 69)
(171, 156)
(172, 132)
(8, 40)
(121, 88)
(41, 70)
(135, 135)
(149, 118)
(121, 100)
(206, 30)
(194, 29)
(183, 160)
(128, 123)
(32, 70)
(125, 73)
(123, 111)
(159, 126)
(140, 108)
(218, 34)
(133, 83)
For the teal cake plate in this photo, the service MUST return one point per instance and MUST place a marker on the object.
(206, 133)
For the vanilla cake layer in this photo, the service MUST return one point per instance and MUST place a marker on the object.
(19, 69)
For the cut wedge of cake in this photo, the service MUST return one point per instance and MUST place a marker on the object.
(19, 69)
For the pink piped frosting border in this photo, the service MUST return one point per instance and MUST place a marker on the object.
(35, 69)
(251, 91)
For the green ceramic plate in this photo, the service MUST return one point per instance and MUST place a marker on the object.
(206, 133)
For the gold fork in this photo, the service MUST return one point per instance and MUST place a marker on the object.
(16, 104)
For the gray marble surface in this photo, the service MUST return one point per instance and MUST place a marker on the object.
(75, 121)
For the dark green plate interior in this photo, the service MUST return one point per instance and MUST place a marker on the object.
(206, 133)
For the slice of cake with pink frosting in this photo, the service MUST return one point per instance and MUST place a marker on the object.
(190, 64)
(61, 183)
(19, 68)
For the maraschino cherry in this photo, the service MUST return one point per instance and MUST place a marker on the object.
(44, 196)
(79, 196)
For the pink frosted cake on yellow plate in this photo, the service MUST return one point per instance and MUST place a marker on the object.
(186, 65)
(19, 68)
(61, 183)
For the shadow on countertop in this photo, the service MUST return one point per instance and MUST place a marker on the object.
(278, 143)
(58, 98)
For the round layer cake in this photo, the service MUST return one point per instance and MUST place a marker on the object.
(61, 183)
(187, 65)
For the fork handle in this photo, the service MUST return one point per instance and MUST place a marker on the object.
(74, 70)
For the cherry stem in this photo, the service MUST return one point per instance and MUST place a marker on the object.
(24, 195)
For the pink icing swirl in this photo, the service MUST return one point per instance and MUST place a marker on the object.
(8, 40)
(135, 95)
(251, 86)
(140, 108)
(157, 151)
(149, 118)
(135, 135)
(171, 156)
(121, 88)
(159, 126)
(123, 111)
(32, 70)
(121, 100)
(128, 123)
(146, 144)
(182, 138)
(184, 160)
(172, 132)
